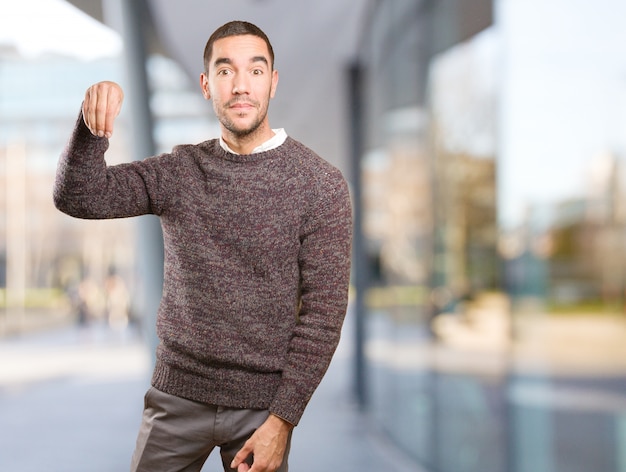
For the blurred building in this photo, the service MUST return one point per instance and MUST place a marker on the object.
(484, 142)
(45, 254)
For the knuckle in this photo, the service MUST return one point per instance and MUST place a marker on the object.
(101, 108)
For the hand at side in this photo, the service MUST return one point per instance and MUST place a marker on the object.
(267, 445)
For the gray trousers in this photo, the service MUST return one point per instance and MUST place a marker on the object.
(177, 435)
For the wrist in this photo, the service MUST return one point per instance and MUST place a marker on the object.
(282, 423)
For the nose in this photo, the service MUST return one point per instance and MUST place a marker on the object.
(240, 84)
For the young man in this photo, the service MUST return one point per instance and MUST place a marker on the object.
(257, 233)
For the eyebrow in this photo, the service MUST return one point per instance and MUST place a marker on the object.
(226, 60)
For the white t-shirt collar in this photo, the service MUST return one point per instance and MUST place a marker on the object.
(279, 138)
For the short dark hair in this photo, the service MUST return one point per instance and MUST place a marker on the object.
(235, 28)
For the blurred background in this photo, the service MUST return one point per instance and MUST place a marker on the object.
(485, 145)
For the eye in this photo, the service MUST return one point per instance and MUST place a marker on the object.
(223, 72)
(257, 72)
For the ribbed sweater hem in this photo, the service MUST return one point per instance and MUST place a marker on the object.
(218, 386)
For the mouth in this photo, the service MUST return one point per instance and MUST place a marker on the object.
(241, 105)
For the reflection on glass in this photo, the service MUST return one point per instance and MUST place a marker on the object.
(497, 224)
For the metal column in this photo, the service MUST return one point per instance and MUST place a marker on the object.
(360, 269)
(127, 17)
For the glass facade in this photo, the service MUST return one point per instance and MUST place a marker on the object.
(53, 267)
(46, 255)
(493, 190)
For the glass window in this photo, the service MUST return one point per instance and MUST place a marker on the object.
(494, 183)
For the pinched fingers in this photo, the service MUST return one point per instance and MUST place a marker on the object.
(267, 446)
(102, 104)
(238, 462)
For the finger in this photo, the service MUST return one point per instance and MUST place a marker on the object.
(240, 457)
(114, 106)
(89, 115)
(94, 109)
(102, 111)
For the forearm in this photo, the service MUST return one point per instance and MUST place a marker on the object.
(86, 188)
(310, 352)
(80, 167)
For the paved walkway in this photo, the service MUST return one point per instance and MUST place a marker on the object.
(71, 399)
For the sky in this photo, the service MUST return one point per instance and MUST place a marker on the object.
(37, 27)
(563, 98)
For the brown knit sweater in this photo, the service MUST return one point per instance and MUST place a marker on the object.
(257, 262)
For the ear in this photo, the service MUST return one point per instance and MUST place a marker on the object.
(274, 83)
(204, 85)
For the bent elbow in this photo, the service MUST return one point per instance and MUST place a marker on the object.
(59, 194)
(62, 205)
(60, 202)
(65, 204)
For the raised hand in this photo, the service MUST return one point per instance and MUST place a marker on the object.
(102, 104)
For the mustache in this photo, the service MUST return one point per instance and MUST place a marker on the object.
(238, 101)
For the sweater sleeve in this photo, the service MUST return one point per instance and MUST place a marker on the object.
(324, 260)
(85, 187)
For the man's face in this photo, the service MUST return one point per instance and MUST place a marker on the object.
(241, 82)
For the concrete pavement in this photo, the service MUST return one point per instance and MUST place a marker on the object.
(71, 400)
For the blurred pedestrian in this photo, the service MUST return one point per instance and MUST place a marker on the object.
(257, 232)
(85, 297)
(117, 302)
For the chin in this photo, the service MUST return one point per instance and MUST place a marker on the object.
(243, 130)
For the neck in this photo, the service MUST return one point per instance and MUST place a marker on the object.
(247, 143)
